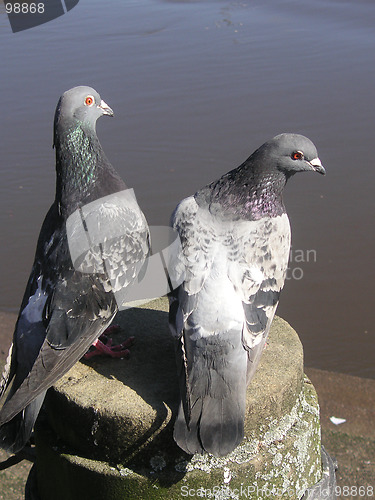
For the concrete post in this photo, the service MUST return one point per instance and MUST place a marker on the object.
(107, 434)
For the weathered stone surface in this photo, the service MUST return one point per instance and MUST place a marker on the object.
(111, 425)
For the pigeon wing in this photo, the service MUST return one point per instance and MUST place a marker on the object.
(252, 256)
(70, 332)
(30, 331)
(192, 266)
(80, 306)
(258, 259)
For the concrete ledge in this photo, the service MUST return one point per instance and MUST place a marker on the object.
(109, 430)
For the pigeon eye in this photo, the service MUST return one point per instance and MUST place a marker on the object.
(297, 155)
(89, 101)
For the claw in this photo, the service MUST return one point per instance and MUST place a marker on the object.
(103, 346)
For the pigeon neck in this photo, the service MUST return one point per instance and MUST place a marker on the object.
(241, 194)
(79, 161)
(264, 199)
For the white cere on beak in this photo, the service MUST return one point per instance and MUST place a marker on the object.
(317, 166)
(106, 109)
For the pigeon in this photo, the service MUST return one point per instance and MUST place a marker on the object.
(64, 308)
(235, 244)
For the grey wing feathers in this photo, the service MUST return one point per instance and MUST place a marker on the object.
(197, 238)
(10, 367)
(259, 276)
(234, 271)
(8, 371)
(256, 254)
(61, 317)
(258, 272)
(69, 334)
(15, 433)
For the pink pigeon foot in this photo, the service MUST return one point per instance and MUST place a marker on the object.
(103, 345)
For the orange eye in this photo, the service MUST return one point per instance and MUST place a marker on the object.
(297, 155)
(89, 101)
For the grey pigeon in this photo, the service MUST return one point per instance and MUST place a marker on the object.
(64, 310)
(235, 238)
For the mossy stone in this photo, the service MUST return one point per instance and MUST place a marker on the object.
(110, 422)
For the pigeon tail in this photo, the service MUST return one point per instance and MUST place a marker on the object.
(215, 426)
(15, 434)
(215, 387)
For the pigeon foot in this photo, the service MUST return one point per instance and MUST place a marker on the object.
(103, 346)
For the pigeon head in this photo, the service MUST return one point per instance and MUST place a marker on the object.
(291, 153)
(80, 106)
(80, 159)
(254, 189)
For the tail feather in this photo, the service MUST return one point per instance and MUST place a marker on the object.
(186, 434)
(215, 426)
(222, 424)
(215, 393)
(15, 433)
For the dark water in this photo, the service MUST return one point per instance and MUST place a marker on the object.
(196, 87)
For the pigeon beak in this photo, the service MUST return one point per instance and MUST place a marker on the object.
(317, 166)
(105, 108)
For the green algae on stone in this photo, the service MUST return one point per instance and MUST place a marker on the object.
(115, 423)
(280, 463)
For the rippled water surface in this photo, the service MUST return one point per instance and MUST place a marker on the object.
(197, 86)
